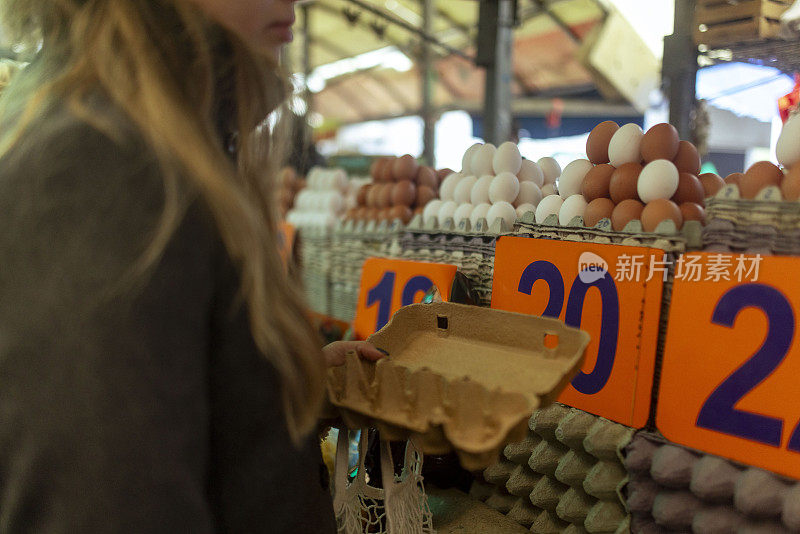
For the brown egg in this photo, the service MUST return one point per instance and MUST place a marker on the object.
(299, 184)
(441, 174)
(659, 210)
(623, 182)
(790, 186)
(385, 196)
(375, 167)
(760, 175)
(660, 142)
(597, 142)
(599, 208)
(692, 212)
(404, 193)
(400, 212)
(419, 210)
(361, 196)
(711, 183)
(626, 211)
(387, 170)
(350, 215)
(597, 181)
(361, 214)
(689, 189)
(424, 195)
(427, 176)
(687, 159)
(372, 195)
(734, 178)
(404, 168)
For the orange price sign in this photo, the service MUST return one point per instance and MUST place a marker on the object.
(611, 291)
(387, 285)
(731, 361)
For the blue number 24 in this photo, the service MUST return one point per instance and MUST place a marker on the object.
(718, 412)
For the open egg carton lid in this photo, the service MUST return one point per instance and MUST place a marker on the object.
(458, 378)
(666, 237)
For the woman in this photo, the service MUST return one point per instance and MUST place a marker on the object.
(157, 369)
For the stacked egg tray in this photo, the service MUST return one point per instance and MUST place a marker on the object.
(567, 475)
(351, 244)
(471, 250)
(676, 489)
(766, 224)
(315, 260)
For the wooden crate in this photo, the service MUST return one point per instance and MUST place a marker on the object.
(728, 22)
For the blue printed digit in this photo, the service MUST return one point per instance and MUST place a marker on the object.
(718, 412)
(794, 439)
(418, 284)
(382, 294)
(591, 383)
(544, 270)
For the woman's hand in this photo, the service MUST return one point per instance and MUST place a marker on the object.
(335, 352)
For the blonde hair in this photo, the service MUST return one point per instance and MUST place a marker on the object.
(158, 61)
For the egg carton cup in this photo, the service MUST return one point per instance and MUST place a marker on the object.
(675, 488)
(482, 226)
(566, 475)
(767, 208)
(666, 236)
(458, 378)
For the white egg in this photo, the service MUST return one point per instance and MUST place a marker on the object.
(502, 210)
(447, 211)
(507, 158)
(572, 207)
(658, 179)
(504, 188)
(550, 169)
(548, 206)
(479, 212)
(522, 209)
(462, 212)
(448, 187)
(571, 180)
(529, 193)
(431, 211)
(466, 160)
(339, 180)
(549, 189)
(463, 189)
(788, 148)
(624, 146)
(530, 171)
(480, 191)
(482, 160)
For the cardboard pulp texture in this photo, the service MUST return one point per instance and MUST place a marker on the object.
(457, 377)
(673, 488)
(565, 476)
(764, 225)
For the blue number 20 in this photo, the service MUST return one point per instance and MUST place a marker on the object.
(586, 383)
(718, 412)
(382, 292)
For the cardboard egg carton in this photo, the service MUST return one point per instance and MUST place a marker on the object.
(566, 475)
(674, 488)
(766, 224)
(666, 237)
(458, 378)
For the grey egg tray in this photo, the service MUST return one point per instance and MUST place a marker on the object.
(676, 489)
(566, 476)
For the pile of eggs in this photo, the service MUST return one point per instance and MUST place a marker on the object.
(290, 185)
(322, 202)
(494, 183)
(401, 188)
(632, 175)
